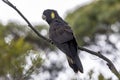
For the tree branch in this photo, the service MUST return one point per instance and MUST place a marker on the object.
(109, 63)
(29, 24)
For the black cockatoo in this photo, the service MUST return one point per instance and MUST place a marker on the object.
(62, 36)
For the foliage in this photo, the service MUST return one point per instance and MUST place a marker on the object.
(93, 19)
(16, 42)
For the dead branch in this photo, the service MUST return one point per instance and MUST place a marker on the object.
(98, 54)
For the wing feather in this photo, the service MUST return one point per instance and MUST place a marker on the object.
(60, 33)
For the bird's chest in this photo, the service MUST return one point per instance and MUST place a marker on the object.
(60, 33)
(55, 31)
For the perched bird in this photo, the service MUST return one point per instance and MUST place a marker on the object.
(62, 36)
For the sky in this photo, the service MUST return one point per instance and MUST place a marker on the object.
(32, 10)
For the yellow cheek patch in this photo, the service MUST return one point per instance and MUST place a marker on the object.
(52, 15)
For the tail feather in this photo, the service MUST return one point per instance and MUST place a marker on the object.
(79, 64)
(75, 64)
(72, 65)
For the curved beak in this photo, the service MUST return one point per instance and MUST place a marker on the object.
(43, 17)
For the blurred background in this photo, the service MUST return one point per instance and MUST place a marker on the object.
(25, 56)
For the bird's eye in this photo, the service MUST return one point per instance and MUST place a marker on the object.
(52, 15)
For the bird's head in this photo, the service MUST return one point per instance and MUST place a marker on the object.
(49, 15)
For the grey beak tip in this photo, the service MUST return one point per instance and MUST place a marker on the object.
(43, 17)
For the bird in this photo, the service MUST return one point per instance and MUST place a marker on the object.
(61, 35)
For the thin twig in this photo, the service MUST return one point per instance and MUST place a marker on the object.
(109, 63)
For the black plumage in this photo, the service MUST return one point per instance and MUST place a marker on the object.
(62, 36)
